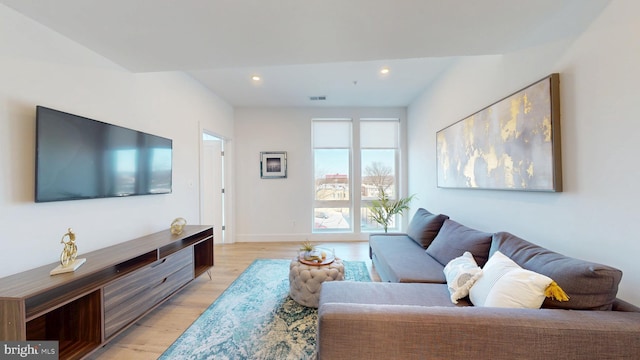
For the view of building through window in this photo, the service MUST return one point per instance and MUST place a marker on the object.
(332, 189)
(334, 201)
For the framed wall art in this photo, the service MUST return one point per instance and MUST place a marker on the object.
(513, 144)
(273, 164)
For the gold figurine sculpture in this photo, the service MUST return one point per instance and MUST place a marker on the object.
(68, 261)
(70, 250)
(177, 225)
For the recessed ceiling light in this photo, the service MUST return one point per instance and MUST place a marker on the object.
(256, 78)
(384, 71)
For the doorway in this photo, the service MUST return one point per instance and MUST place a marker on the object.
(212, 194)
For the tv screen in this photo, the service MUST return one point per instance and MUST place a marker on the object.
(81, 158)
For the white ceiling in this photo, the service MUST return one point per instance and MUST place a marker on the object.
(303, 48)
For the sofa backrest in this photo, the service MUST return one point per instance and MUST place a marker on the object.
(424, 227)
(454, 239)
(590, 286)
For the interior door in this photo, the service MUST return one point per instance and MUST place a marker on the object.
(212, 202)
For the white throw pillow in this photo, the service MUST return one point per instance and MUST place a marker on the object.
(505, 284)
(461, 273)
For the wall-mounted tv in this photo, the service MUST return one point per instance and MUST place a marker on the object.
(80, 158)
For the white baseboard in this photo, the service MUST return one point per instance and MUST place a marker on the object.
(298, 238)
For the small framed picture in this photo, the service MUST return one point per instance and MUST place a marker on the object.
(273, 164)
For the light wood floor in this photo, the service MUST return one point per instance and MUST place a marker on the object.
(149, 337)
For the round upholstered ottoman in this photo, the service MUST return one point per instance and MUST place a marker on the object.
(305, 280)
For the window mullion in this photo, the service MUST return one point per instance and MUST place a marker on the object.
(356, 179)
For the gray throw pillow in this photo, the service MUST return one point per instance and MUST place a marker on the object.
(590, 286)
(454, 239)
(424, 227)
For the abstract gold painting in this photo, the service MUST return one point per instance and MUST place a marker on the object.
(513, 144)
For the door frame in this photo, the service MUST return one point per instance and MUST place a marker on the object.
(226, 164)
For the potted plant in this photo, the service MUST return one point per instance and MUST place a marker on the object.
(309, 252)
(384, 209)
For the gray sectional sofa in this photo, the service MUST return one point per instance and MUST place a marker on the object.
(411, 314)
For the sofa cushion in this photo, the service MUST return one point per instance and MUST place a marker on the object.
(454, 239)
(354, 292)
(589, 285)
(505, 284)
(461, 273)
(424, 227)
(397, 258)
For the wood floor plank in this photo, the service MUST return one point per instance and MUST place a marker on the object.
(149, 337)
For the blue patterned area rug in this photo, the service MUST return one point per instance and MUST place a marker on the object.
(255, 318)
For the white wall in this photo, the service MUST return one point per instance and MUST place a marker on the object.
(282, 209)
(595, 217)
(40, 67)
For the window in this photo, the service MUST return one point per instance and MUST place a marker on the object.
(332, 168)
(335, 204)
(379, 153)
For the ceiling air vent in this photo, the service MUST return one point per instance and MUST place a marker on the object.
(317, 98)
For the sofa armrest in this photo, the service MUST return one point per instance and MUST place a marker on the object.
(621, 305)
(348, 331)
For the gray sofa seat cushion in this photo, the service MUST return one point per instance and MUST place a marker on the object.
(397, 258)
(590, 286)
(454, 239)
(347, 292)
(424, 227)
(364, 331)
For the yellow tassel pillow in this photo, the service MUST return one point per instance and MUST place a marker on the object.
(505, 284)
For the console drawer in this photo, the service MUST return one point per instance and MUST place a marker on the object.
(140, 280)
(131, 296)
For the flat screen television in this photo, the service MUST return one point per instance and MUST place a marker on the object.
(80, 158)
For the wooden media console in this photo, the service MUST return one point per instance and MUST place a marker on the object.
(116, 286)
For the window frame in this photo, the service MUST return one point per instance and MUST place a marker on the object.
(355, 204)
(328, 204)
(365, 203)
